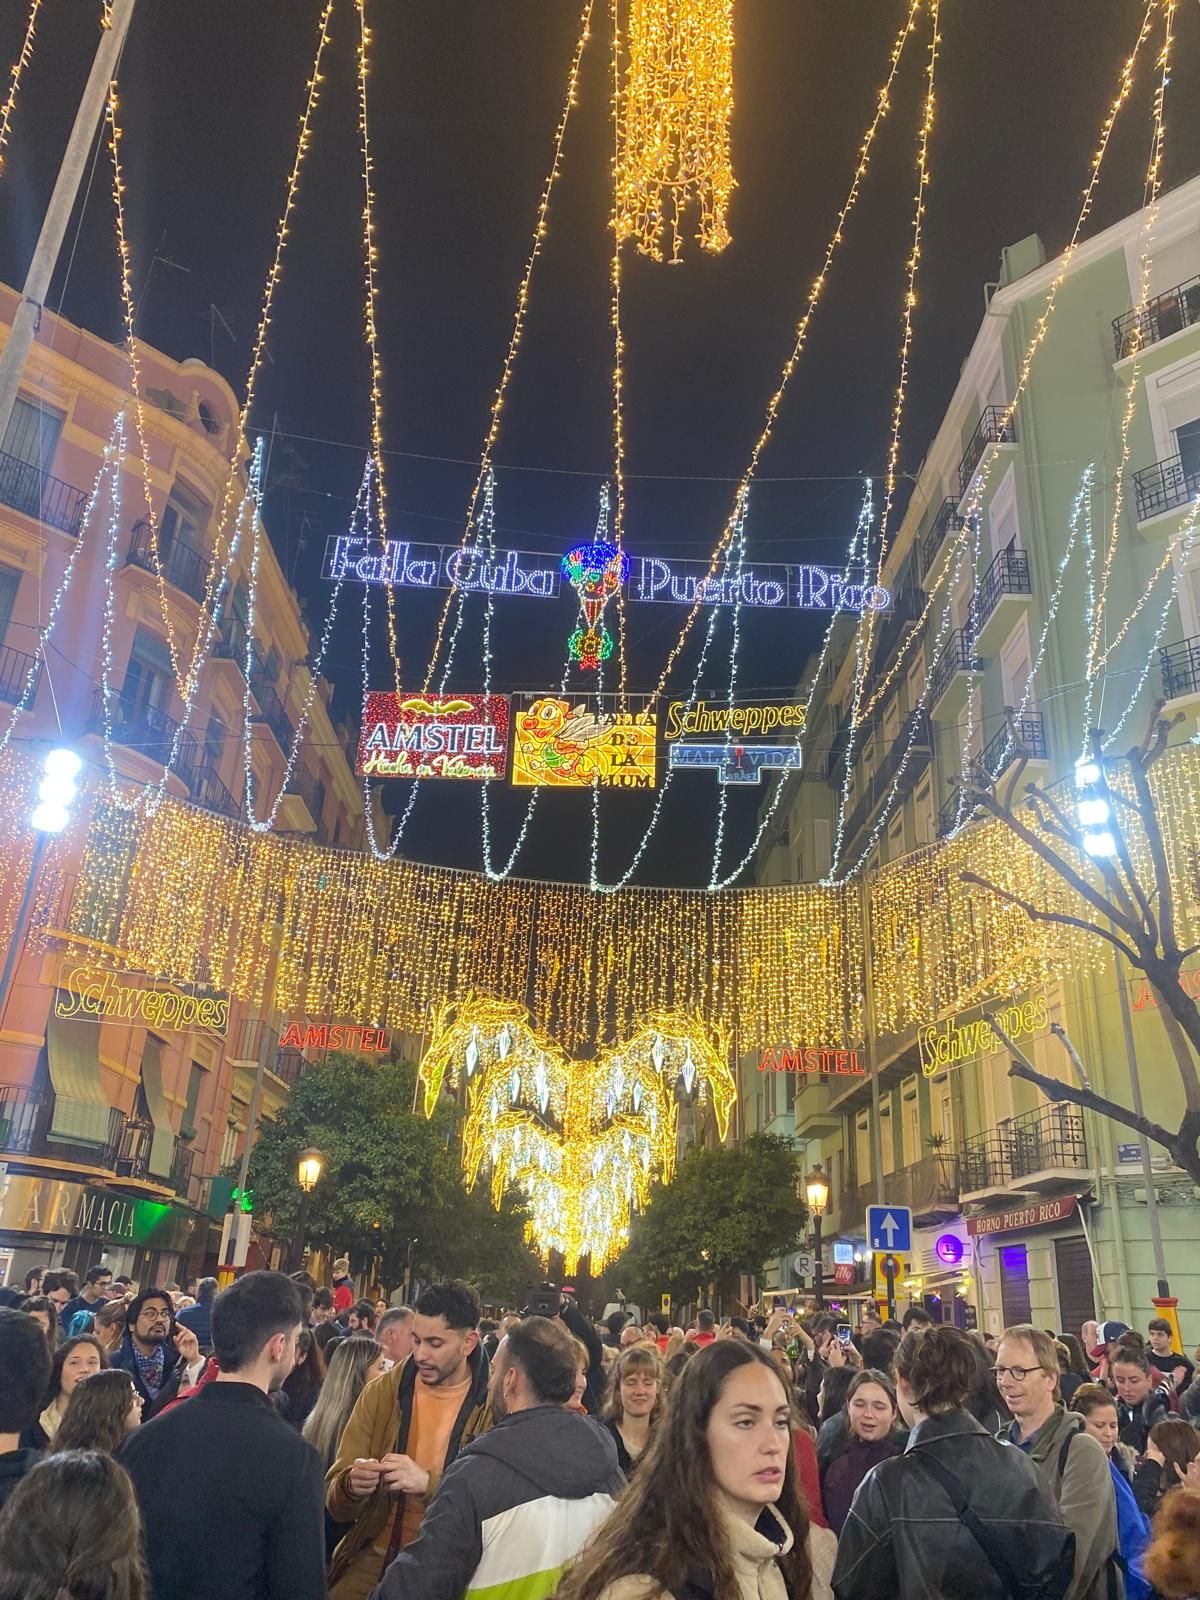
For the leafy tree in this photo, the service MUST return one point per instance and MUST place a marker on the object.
(390, 1176)
(725, 1211)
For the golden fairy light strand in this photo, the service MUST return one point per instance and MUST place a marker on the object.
(882, 107)
(274, 273)
(519, 318)
(618, 385)
(1150, 198)
(371, 328)
(911, 270)
(1041, 328)
(15, 76)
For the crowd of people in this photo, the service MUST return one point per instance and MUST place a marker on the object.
(282, 1441)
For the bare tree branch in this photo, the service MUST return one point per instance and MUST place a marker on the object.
(1062, 918)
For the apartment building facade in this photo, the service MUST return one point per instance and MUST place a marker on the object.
(110, 1131)
(1024, 1209)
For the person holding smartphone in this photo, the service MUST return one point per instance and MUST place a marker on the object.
(158, 1354)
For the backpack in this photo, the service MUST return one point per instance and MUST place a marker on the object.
(1133, 1532)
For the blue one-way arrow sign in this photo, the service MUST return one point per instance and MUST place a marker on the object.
(890, 1228)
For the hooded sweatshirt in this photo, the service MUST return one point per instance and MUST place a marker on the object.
(512, 1510)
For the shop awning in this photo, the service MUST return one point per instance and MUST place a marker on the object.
(162, 1145)
(81, 1110)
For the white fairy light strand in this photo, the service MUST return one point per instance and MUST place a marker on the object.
(739, 549)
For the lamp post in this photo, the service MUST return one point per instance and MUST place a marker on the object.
(816, 1190)
(309, 1166)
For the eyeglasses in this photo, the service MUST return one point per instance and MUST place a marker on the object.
(1017, 1374)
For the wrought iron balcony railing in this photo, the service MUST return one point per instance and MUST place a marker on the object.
(1168, 313)
(271, 711)
(1165, 486)
(182, 566)
(26, 1122)
(946, 522)
(1049, 1138)
(138, 727)
(1180, 664)
(208, 790)
(1008, 574)
(992, 428)
(1030, 738)
(957, 655)
(36, 494)
(310, 789)
(15, 667)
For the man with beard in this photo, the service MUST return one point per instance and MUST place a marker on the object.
(230, 1494)
(405, 1430)
(519, 1503)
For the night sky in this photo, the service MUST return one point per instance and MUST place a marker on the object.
(466, 94)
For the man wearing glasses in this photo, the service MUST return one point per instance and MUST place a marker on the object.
(1071, 1464)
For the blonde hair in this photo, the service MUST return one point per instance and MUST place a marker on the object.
(344, 1382)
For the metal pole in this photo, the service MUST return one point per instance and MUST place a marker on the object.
(301, 1231)
(17, 941)
(1135, 1089)
(265, 1032)
(62, 203)
(819, 1274)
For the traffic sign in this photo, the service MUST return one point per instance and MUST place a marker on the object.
(889, 1228)
(666, 1305)
(804, 1264)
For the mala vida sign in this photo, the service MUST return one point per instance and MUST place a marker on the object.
(949, 1044)
(87, 991)
(434, 736)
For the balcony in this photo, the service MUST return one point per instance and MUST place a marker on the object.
(137, 727)
(36, 494)
(271, 711)
(183, 1174)
(15, 667)
(947, 521)
(991, 429)
(915, 739)
(836, 756)
(1167, 313)
(1030, 740)
(182, 566)
(208, 791)
(907, 610)
(1164, 487)
(1180, 665)
(958, 658)
(230, 643)
(929, 1188)
(1003, 592)
(303, 802)
(947, 817)
(290, 1066)
(1039, 1150)
(26, 1115)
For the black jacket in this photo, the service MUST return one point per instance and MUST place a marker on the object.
(1135, 1422)
(14, 1464)
(903, 1539)
(173, 1371)
(232, 1500)
(576, 1323)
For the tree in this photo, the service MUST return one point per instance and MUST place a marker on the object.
(1127, 898)
(725, 1212)
(390, 1177)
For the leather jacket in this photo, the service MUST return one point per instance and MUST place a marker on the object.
(903, 1539)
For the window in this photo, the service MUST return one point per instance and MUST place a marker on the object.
(822, 836)
(148, 675)
(888, 1137)
(183, 522)
(1002, 518)
(896, 836)
(923, 813)
(1187, 442)
(862, 1149)
(789, 1091)
(891, 720)
(943, 1110)
(187, 1128)
(229, 1145)
(10, 582)
(1073, 1272)
(1014, 667)
(911, 1122)
(1014, 1284)
(215, 735)
(32, 435)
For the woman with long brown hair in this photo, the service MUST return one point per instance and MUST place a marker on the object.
(71, 1531)
(714, 1508)
(1172, 1445)
(99, 1413)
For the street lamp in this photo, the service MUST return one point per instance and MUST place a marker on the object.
(309, 1166)
(816, 1190)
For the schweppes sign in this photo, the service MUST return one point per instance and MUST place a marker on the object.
(757, 719)
(950, 1043)
(89, 991)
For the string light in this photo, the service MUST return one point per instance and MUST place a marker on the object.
(618, 380)
(883, 106)
(519, 316)
(1150, 197)
(674, 148)
(24, 56)
(739, 556)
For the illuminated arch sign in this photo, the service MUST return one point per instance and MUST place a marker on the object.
(401, 564)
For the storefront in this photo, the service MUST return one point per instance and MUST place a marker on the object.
(61, 1223)
(1034, 1263)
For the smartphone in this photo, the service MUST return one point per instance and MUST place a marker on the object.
(844, 1332)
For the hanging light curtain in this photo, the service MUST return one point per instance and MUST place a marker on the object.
(673, 150)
